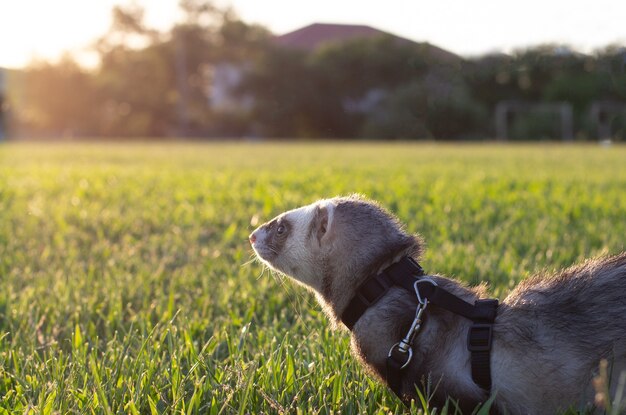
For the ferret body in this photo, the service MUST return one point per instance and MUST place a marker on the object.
(550, 333)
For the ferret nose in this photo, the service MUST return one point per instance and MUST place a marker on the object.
(252, 238)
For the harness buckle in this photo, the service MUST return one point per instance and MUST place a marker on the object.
(485, 310)
(381, 282)
(479, 337)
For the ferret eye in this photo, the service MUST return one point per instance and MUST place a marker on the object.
(280, 230)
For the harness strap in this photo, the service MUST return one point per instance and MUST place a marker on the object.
(394, 364)
(404, 273)
(444, 299)
(479, 339)
(375, 287)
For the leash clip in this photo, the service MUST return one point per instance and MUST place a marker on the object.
(403, 347)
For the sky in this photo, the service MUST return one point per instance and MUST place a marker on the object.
(44, 29)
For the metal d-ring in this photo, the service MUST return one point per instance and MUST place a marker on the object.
(402, 348)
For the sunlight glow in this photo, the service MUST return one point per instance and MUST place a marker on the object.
(44, 29)
(39, 29)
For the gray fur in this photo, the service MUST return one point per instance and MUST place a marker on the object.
(549, 335)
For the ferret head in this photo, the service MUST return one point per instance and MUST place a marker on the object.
(292, 243)
(333, 245)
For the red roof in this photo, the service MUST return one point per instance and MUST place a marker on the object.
(317, 34)
(312, 36)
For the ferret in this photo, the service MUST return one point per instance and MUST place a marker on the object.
(549, 335)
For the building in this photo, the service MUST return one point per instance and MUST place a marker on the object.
(316, 35)
(227, 76)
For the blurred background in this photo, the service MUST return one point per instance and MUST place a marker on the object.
(442, 70)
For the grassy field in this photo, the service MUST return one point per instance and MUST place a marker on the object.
(127, 284)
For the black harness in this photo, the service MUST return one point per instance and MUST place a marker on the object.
(408, 274)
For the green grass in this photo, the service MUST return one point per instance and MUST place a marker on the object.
(126, 281)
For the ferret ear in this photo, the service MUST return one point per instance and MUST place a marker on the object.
(323, 222)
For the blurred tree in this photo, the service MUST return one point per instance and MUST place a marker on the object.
(56, 100)
(359, 65)
(150, 84)
(147, 83)
(421, 109)
(135, 78)
(237, 46)
(547, 74)
(286, 94)
(164, 87)
(332, 91)
(491, 79)
(136, 91)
